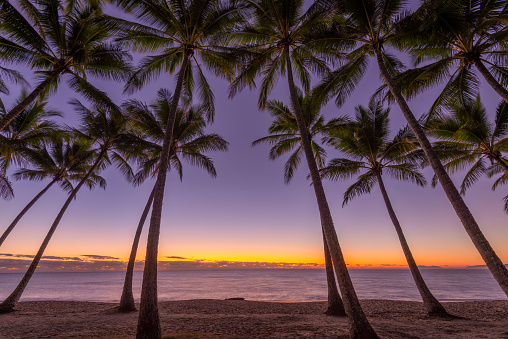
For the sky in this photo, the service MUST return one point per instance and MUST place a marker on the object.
(247, 217)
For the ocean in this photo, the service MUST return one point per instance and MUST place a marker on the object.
(267, 285)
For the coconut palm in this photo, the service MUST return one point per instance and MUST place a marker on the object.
(453, 36)
(110, 132)
(32, 127)
(188, 35)
(282, 39)
(189, 143)
(470, 139)
(365, 141)
(57, 38)
(62, 162)
(285, 138)
(373, 26)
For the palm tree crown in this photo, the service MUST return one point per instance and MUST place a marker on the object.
(277, 28)
(60, 37)
(189, 138)
(285, 136)
(468, 139)
(451, 37)
(181, 30)
(29, 129)
(365, 141)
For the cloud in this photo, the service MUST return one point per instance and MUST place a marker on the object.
(201, 264)
(52, 257)
(99, 257)
(17, 255)
(176, 257)
(20, 266)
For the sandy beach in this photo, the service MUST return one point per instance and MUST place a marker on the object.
(252, 319)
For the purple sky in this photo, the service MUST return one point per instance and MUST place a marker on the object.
(247, 213)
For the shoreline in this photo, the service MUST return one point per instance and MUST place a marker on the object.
(209, 318)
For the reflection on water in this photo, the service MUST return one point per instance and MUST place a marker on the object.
(269, 285)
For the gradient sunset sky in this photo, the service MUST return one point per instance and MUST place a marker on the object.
(247, 217)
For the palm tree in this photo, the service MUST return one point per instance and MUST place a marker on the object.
(365, 141)
(470, 139)
(452, 37)
(283, 38)
(62, 162)
(31, 128)
(60, 38)
(189, 141)
(188, 35)
(285, 137)
(372, 25)
(110, 131)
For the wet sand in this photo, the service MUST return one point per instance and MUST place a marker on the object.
(253, 319)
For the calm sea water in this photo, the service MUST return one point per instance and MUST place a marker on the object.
(268, 285)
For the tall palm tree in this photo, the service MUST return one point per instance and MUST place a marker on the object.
(62, 162)
(285, 138)
(110, 132)
(469, 139)
(282, 39)
(59, 37)
(187, 35)
(452, 37)
(365, 141)
(32, 127)
(189, 142)
(373, 26)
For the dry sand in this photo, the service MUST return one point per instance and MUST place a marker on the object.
(252, 319)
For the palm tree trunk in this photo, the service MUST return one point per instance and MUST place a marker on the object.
(335, 304)
(491, 80)
(31, 97)
(8, 304)
(431, 304)
(495, 265)
(359, 326)
(22, 213)
(148, 321)
(127, 299)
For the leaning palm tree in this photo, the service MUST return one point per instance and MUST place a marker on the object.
(60, 38)
(110, 132)
(61, 161)
(189, 142)
(452, 37)
(373, 26)
(188, 35)
(285, 137)
(468, 139)
(365, 141)
(282, 38)
(31, 128)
